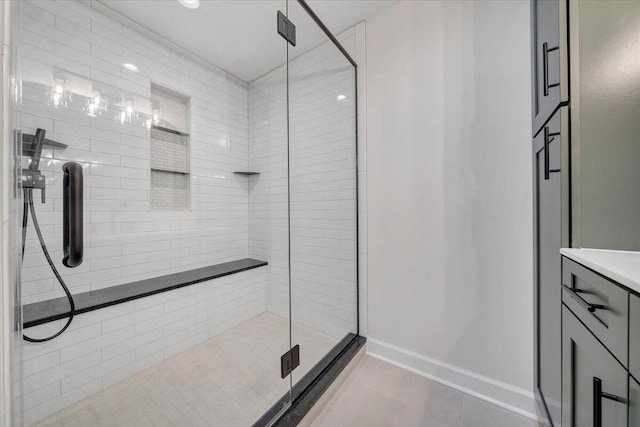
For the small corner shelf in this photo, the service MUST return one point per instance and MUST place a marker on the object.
(243, 173)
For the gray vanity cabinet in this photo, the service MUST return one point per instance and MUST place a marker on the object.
(549, 58)
(586, 194)
(551, 203)
(547, 154)
(592, 379)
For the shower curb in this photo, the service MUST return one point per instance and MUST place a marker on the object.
(308, 391)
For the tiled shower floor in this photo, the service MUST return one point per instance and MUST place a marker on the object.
(229, 380)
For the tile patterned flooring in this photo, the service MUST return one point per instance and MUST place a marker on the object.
(229, 380)
(232, 379)
(380, 394)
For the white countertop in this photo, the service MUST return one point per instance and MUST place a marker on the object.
(620, 266)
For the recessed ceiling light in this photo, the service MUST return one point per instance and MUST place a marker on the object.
(129, 66)
(341, 98)
(190, 4)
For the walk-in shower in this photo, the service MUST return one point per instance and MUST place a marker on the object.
(185, 213)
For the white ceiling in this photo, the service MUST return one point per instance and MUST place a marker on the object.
(239, 36)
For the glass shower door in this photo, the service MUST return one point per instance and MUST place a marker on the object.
(322, 192)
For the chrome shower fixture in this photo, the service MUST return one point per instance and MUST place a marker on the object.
(32, 178)
(32, 146)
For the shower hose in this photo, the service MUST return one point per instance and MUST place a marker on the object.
(29, 206)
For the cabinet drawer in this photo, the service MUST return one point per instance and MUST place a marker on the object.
(634, 336)
(594, 383)
(600, 304)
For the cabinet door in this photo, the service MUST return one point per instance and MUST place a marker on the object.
(548, 275)
(634, 402)
(634, 335)
(591, 376)
(549, 58)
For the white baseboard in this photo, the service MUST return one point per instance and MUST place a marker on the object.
(514, 399)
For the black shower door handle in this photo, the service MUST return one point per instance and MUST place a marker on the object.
(72, 222)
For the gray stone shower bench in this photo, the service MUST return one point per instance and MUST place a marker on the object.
(41, 312)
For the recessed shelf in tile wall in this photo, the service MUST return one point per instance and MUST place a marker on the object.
(169, 171)
(173, 131)
(246, 173)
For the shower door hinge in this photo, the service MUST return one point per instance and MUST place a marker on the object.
(289, 361)
(286, 29)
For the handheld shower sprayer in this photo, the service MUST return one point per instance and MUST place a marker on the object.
(72, 215)
(32, 179)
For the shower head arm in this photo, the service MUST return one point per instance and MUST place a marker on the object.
(32, 146)
(36, 148)
(47, 142)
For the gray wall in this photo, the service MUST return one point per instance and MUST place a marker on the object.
(450, 194)
(605, 124)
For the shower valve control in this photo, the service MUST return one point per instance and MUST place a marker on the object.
(32, 146)
(34, 180)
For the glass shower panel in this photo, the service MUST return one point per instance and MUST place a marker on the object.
(182, 295)
(323, 190)
(11, 151)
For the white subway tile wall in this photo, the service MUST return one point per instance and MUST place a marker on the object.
(268, 201)
(125, 240)
(105, 346)
(323, 188)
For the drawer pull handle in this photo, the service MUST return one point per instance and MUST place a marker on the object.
(548, 139)
(545, 67)
(575, 294)
(598, 394)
